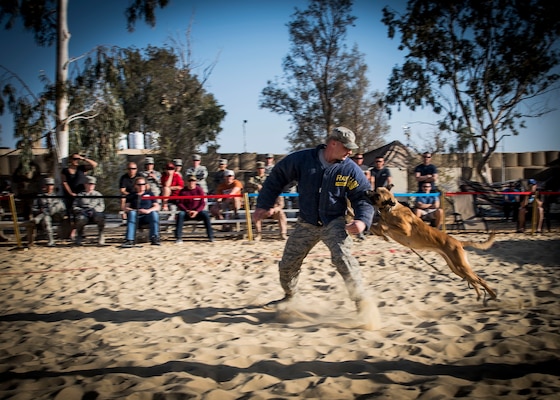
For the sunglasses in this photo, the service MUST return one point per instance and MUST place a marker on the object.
(141, 184)
(427, 156)
(132, 168)
(76, 159)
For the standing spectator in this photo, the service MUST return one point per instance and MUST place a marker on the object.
(528, 201)
(327, 180)
(192, 209)
(269, 163)
(126, 185)
(219, 174)
(27, 183)
(380, 173)
(46, 208)
(74, 178)
(200, 171)
(225, 205)
(89, 209)
(428, 207)
(255, 184)
(511, 203)
(141, 211)
(153, 177)
(359, 159)
(426, 172)
(171, 183)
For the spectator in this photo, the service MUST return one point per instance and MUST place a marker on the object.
(192, 209)
(89, 209)
(126, 185)
(219, 174)
(359, 159)
(230, 186)
(269, 163)
(428, 207)
(141, 211)
(46, 208)
(73, 179)
(426, 172)
(255, 184)
(528, 202)
(171, 183)
(27, 183)
(367, 173)
(380, 173)
(511, 203)
(153, 177)
(178, 166)
(200, 171)
(327, 180)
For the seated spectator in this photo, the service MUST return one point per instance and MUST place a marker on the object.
(126, 185)
(230, 185)
(511, 203)
(44, 210)
(141, 211)
(255, 185)
(428, 207)
(218, 176)
(200, 171)
(89, 208)
(171, 183)
(192, 209)
(528, 202)
(153, 177)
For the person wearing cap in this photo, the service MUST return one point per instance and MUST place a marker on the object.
(178, 166)
(219, 174)
(254, 185)
(89, 209)
(223, 205)
(200, 171)
(269, 163)
(192, 209)
(528, 202)
(152, 176)
(45, 208)
(171, 183)
(73, 179)
(426, 172)
(126, 185)
(141, 210)
(327, 180)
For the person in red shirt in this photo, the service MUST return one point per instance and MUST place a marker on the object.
(192, 209)
(171, 183)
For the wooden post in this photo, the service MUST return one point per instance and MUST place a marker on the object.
(248, 217)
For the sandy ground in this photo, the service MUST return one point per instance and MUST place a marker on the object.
(182, 322)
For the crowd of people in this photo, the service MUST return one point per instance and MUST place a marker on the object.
(81, 204)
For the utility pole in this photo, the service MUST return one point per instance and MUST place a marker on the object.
(244, 137)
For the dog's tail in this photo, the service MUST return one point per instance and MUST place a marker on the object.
(481, 245)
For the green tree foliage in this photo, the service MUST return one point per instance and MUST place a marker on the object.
(476, 63)
(47, 20)
(324, 84)
(149, 91)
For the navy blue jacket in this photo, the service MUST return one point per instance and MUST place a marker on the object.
(322, 191)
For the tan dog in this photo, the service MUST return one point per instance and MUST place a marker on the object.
(399, 223)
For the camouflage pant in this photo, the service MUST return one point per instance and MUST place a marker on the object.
(300, 243)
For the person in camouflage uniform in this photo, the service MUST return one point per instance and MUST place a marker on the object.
(89, 209)
(152, 176)
(327, 181)
(200, 171)
(46, 207)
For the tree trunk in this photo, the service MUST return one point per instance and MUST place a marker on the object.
(63, 39)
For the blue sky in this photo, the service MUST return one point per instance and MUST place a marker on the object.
(248, 40)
